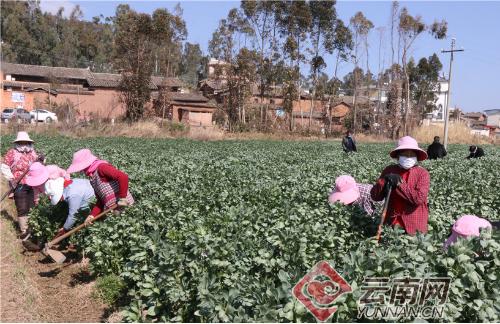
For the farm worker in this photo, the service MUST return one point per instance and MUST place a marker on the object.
(466, 226)
(348, 192)
(110, 184)
(436, 150)
(57, 185)
(475, 152)
(348, 143)
(410, 186)
(15, 164)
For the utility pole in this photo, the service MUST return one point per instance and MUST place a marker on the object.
(447, 112)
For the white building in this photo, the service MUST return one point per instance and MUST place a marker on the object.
(441, 91)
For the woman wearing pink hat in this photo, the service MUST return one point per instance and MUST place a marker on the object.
(348, 192)
(466, 226)
(410, 186)
(15, 164)
(110, 184)
(56, 183)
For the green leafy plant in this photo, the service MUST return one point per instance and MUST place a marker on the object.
(222, 231)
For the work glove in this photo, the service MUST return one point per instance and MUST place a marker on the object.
(60, 232)
(392, 181)
(122, 202)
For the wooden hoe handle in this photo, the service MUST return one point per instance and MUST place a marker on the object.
(384, 214)
(76, 229)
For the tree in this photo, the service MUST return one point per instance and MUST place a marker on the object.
(295, 24)
(133, 54)
(262, 17)
(424, 79)
(323, 19)
(191, 64)
(409, 29)
(168, 32)
(360, 28)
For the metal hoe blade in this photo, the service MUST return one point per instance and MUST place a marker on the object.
(56, 256)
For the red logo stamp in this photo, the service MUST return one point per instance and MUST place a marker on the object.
(318, 289)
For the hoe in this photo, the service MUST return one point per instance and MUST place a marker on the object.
(55, 255)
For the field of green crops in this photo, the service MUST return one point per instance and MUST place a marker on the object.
(222, 231)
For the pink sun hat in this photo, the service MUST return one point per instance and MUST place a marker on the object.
(409, 143)
(82, 159)
(56, 172)
(465, 226)
(346, 191)
(37, 175)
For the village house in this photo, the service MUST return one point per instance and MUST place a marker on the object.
(91, 95)
(271, 104)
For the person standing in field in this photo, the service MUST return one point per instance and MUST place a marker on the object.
(475, 152)
(348, 192)
(436, 150)
(110, 184)
(348, 143)
(15, 164)
(410, 185)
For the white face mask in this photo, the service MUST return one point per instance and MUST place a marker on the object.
(407, 162)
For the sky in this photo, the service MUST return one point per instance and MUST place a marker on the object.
(474, 24)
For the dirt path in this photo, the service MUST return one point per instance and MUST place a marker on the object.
(33, 289)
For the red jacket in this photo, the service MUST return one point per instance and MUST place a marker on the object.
(412, 194)
(107, 173)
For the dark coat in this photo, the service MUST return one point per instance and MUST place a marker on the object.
(436, 151)
(349, 144)
(478, 153)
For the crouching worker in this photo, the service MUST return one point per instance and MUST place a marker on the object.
(466, 226)
(56, 184)
(409, 185)
(77, 193)
(348, 192)
(110, 184)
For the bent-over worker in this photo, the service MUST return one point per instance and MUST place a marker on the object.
(110, 184)
(475, 152)
(410, 186)
(466, 226)
(348, 192)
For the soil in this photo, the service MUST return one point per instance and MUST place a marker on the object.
(34, 289)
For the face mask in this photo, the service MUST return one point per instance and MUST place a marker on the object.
(407, 162)
(24, 148)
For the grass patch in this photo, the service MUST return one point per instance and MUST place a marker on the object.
(109, 288)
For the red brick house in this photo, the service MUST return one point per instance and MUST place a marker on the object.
(93, 95)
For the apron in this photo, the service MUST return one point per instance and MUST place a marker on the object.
(107, 192)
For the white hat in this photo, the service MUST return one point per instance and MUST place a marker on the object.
(22, 137)
(54, 189)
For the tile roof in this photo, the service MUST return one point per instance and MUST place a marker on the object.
(44, 71)
(305, 114)
(98, 80)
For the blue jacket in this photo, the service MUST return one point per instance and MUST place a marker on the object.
(78, 196)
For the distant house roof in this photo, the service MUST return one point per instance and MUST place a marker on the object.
(187, 99)
(490, 112)
(473, 115)
(305, 114)
(95, 80)
(45, 71)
